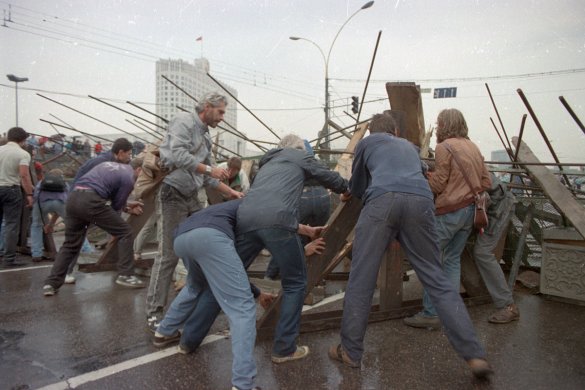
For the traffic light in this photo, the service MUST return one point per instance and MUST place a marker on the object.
(355, 104)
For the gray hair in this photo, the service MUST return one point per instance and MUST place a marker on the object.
(214, 99)
(291, 141)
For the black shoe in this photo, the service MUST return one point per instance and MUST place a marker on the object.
(162, 340)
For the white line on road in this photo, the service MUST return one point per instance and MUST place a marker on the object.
(79, 380)
(26, 268)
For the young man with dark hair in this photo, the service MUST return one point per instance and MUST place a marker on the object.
(121, 152)
(88, 203)
(14, 173)
(387, 175)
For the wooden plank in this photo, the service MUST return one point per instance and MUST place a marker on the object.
(405, 96)
(558, 194)
(390, 278)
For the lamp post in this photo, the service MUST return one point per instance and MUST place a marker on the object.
(325, 130)
(16, 80)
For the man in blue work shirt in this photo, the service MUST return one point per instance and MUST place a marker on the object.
(88, 203)
(387, 175)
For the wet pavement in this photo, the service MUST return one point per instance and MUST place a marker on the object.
(92, 335)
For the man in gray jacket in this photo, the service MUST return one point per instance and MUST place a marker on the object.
(185, 151)
(268, 218)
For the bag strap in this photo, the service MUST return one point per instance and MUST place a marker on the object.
(450, 150)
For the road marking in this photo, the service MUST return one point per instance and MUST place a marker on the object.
(26, 268)
(92, 376)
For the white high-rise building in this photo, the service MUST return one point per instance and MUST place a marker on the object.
(193, 79)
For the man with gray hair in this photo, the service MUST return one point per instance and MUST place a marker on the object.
(186, 153)
(268, 218)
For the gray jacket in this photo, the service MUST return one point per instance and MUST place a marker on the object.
(273, 199)
(186, 144)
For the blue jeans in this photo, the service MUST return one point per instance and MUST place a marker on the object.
(288, 253)
(212, 256)
(314, 210)
(453, 230)
(409, 219)
(40, 217)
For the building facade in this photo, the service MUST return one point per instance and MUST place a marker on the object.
(192, 77)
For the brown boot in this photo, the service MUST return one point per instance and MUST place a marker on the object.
(336, 352)
(507, 314)
(480, 368)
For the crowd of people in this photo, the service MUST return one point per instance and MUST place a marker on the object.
(429, 213)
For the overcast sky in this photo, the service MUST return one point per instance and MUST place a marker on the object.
(109, 48)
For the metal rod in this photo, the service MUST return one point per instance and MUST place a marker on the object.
(40, 135)
(71, 128)
(89, 116)
(145, 110)
(498, 115)
(340, 130)
(508, 150)
(241, 135)
(124, 111)
(515, 158)
(520, 136)
(572, 113)
(181, 108)
(62, 121)
(541, 129)
(262, 148)
(144, 129)
(246, 108)
(368, 79)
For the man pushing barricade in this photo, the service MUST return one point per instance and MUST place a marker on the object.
(387, 175)
(97, 198)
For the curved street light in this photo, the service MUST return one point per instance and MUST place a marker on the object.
(16, 80)
(325, 130)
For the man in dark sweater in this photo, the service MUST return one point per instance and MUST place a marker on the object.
(387, 175)
(88, 204)
(268, 218)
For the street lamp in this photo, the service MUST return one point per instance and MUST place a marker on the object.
(325, 130)
(16, 80)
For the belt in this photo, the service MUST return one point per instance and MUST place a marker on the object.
(83, 189)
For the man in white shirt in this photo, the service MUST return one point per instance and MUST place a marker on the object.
(14, 172)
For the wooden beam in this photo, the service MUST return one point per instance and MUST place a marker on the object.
(558, 194)
(405, 96)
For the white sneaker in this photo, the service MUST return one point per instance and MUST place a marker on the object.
(129, 281)
(69, 279)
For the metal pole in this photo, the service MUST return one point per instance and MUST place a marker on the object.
(572, 113)
(16, 97)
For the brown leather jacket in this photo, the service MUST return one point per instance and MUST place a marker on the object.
(447, 181)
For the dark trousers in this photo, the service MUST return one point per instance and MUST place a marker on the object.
(10, 210)
(84, 208)
(410, 219)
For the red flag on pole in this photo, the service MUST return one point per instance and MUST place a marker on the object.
(199, 39)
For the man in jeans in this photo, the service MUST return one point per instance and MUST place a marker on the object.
(500, 210)
(387, 175)
(88, 203)
(14, 172)
(186, 153)
(268, 218)
(46, 202)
